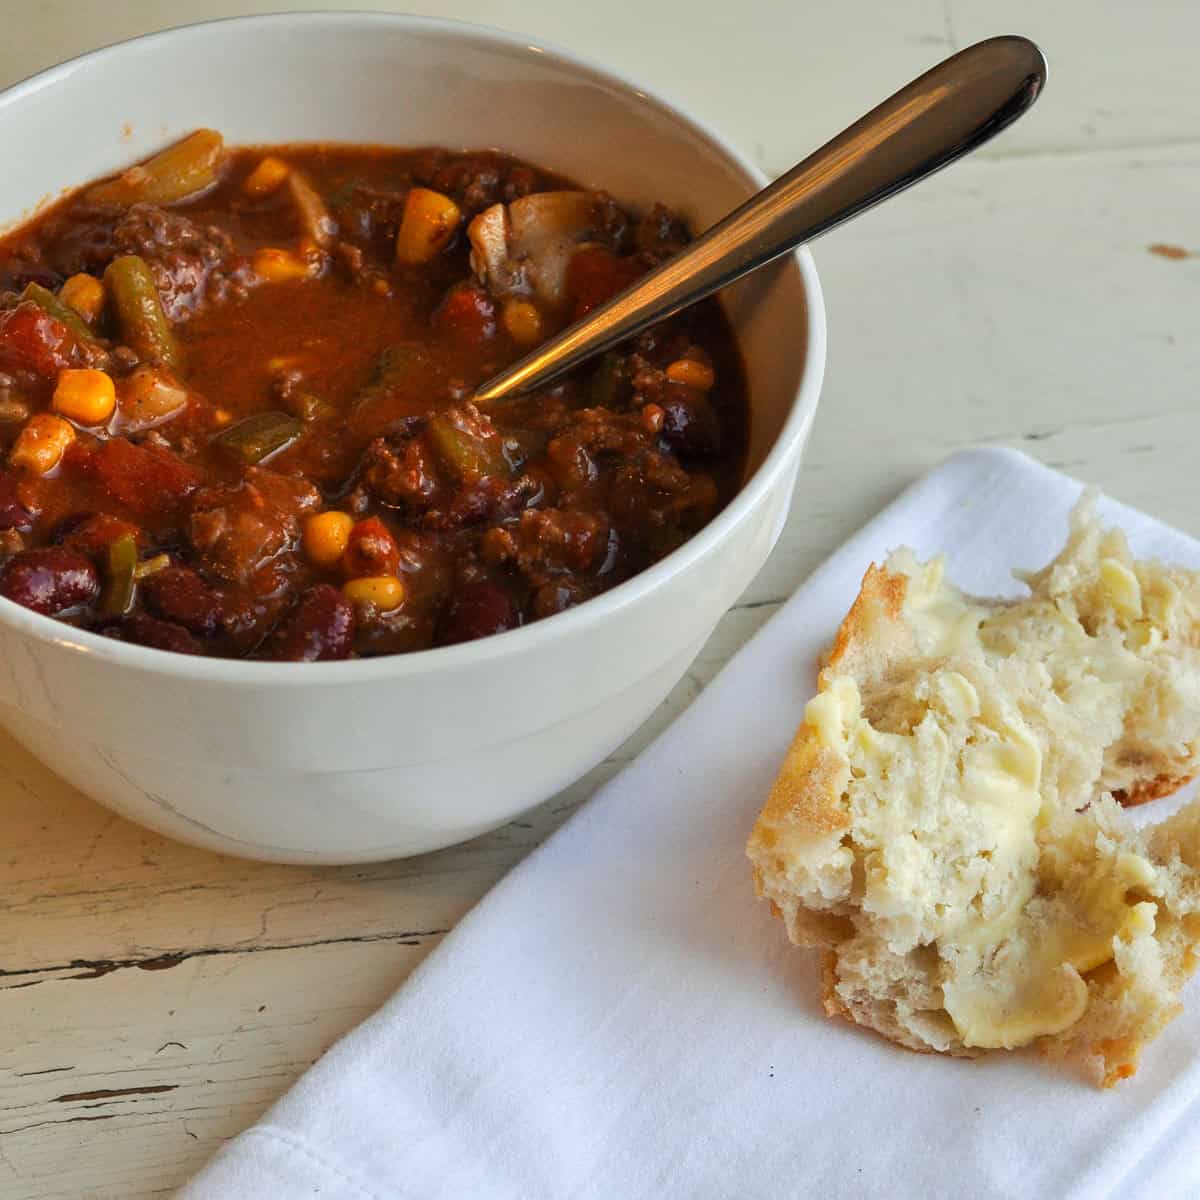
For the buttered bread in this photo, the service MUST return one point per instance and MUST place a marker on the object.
(948, 822)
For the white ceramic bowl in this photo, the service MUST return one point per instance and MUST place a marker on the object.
(355, 761)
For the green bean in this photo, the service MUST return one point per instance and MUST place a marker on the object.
(122, 569)
(140, 318)
(179, 171)
(63, 313)
(467, 455)
(257, 438)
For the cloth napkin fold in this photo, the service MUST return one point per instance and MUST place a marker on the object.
(621, 1018)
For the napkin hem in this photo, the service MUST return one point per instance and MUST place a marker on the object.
(336, 1171)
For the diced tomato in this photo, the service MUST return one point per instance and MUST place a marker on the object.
(32, 340)
(595, 275)
(149, 481)
(95, 534)
(370, 550)
(468, 313)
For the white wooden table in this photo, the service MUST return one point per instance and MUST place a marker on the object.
(154, 999)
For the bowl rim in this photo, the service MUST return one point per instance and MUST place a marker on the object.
(253, 672)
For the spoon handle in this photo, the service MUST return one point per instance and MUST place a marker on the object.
(942, 115)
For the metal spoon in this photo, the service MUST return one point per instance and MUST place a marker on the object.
(945, 113)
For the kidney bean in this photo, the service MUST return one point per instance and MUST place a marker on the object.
(320, 628)
(13, 514)
(477, 610)
(67, 526)
(690, 425)
(467, 313)
(180, 595)
(50, 580)
(158, 635)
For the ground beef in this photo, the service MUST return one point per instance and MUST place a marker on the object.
(657, 493)
(71, 242)
(547, 542)
(660, 235)
(190, 263)
(481, 191)
(610, 223)
(592, 434)
(368, 214)
(400, 473)
(648, 381)
(476, 182)
(520, 181)
(491, 498)
(237, 530)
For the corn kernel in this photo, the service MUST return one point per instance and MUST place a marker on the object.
(326, 536)
(86, 295)
(429, 222)
(151, 566)
(266, 177)
(523, 322)
(692, 372)
(87, 396)
(384, 592)
(42, 443)
(278, 266)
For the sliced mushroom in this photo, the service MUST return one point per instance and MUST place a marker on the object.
(525, 247)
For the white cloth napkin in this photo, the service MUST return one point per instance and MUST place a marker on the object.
(621, 1018)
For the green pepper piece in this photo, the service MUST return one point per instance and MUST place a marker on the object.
(464, 454)
(63, 313)
(151, 566)
(179, 171)
(257, 438)
(393, 366)
(140, 318)
(122, 568)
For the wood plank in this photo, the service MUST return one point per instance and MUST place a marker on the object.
(126, 1083)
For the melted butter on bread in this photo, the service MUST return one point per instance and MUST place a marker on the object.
(970, 873)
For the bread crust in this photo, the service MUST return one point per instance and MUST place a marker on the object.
(1146, 790)
(874, 627)
(807, 790)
